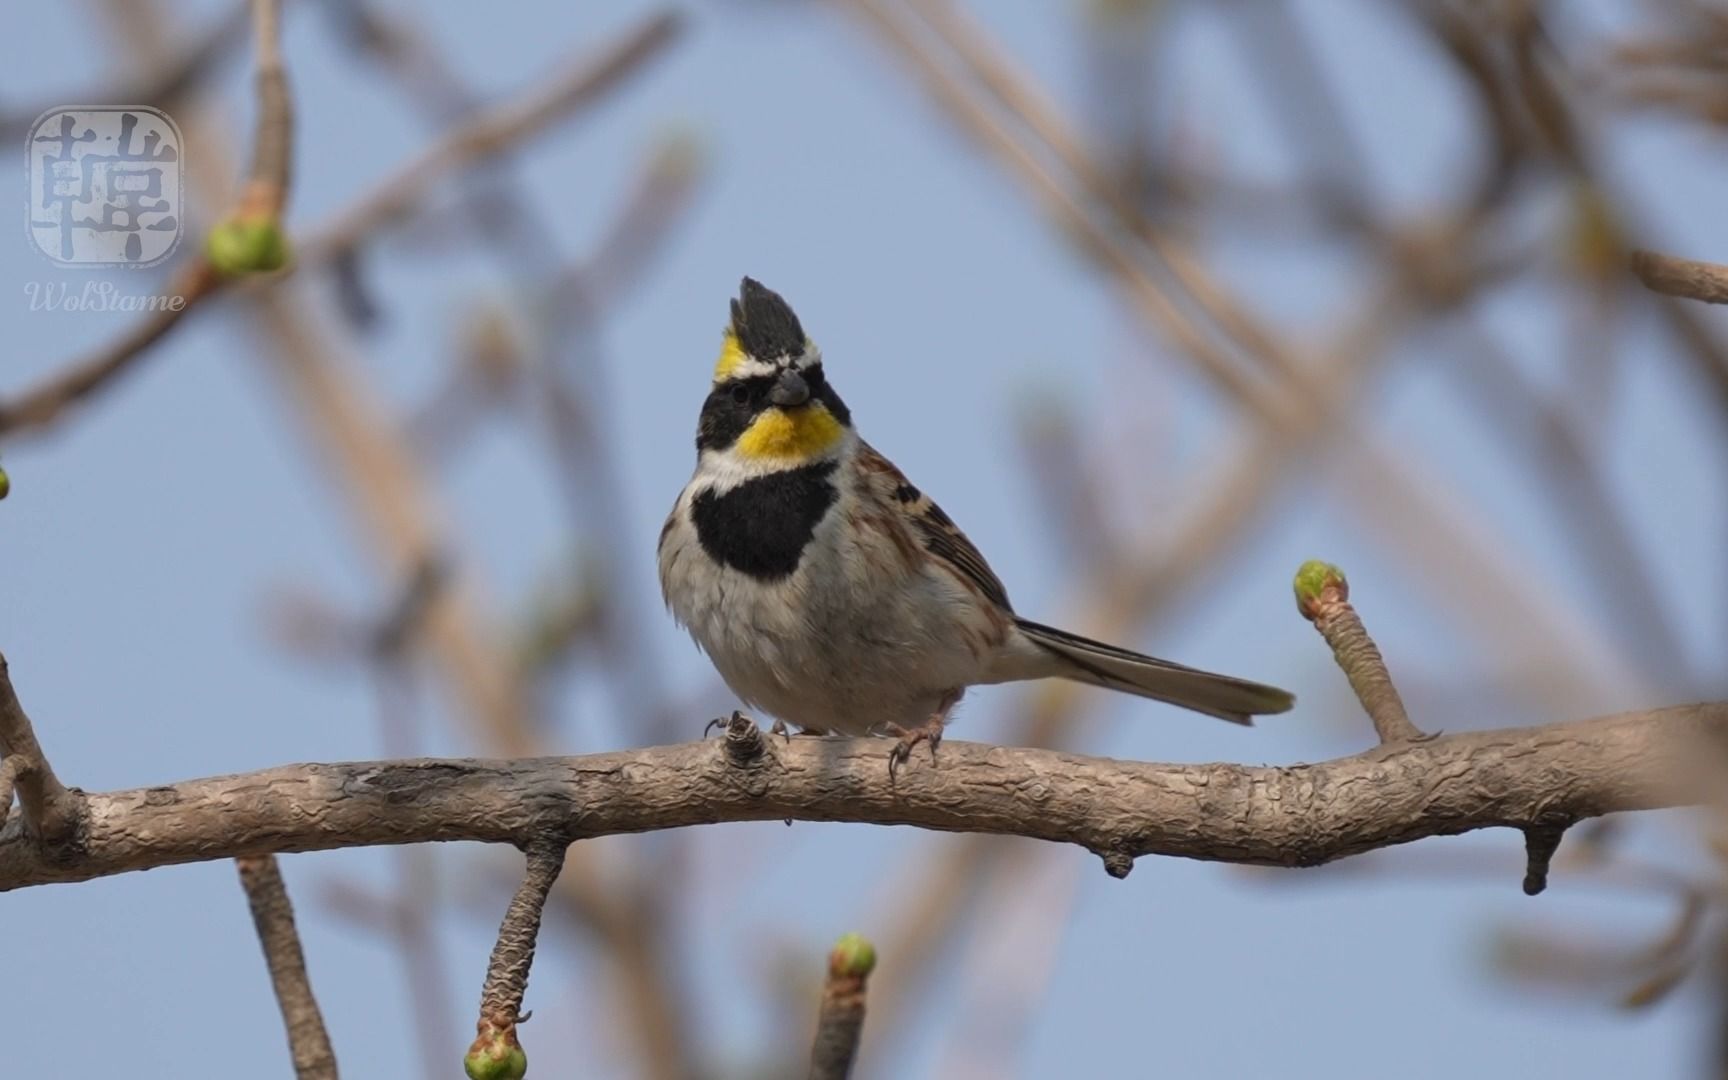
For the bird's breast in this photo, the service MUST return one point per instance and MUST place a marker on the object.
(762, 526)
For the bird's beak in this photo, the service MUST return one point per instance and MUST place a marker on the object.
(789, 390)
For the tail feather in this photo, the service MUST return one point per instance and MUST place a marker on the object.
(1088, 661)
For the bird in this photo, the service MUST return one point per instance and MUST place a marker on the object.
(831, 592)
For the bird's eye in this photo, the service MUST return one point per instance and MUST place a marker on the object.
(740, 394)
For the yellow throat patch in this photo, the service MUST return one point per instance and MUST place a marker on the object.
(791, 435)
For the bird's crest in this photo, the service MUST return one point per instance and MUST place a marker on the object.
(764, 328)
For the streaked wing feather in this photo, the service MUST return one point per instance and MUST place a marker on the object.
(940, 536)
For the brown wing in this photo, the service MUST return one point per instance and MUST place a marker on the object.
(935, 529)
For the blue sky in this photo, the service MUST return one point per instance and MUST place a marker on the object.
(144, 537)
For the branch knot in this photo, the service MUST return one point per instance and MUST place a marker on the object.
(744, 742)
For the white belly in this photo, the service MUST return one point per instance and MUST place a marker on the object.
(843, 644)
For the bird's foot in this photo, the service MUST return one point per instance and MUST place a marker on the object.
(778, 727)
(722, 721)
(928, 732)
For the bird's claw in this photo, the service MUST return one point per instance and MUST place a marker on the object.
(929, 732)
(722, 721)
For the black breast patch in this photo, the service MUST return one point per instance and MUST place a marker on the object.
(761, 526)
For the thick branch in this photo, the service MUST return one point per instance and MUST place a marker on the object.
(50, 810)
(1688, 278)
(1298, 815)
(273, 916)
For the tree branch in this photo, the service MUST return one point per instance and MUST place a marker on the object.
(271, 171)
(1687, 278)
(489, 132)
(43, 403)
(496, 1054)
(273, 916)
(1323, 597)
(166, 86)
(265, 193)
(1300, 815)
(51, 811)
(840, 1023)
(1540, 844)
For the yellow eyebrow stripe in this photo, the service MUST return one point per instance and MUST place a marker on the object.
(796, 435)
(732, 356)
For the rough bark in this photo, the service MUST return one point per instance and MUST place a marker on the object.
(1299, 815)
(273, 917)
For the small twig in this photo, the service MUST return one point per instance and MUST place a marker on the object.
(249, 240)
(566, 610)
(1708, 355)
(1607, 872)
(1057, 468)
(271, 171)
(1640, 976)
(1687, 278)
(410, 915)
(51, 810)
(490, 131)
(166, 86)
(1323, 597)
(496, 1054)
(1672, 957)
(490, 363)
(1564, 447)
(841, 1021)
(1072, 213)
(407, 613)
(273, 916)
(44, 402)
(660, 195)
(316, 629)
(1540, 844)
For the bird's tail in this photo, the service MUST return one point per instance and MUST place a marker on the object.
(1071, 656)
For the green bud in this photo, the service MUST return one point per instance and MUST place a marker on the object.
(852, 957)
(1312, 579)
(5, 484)
(247, 246)
(496, 1055)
